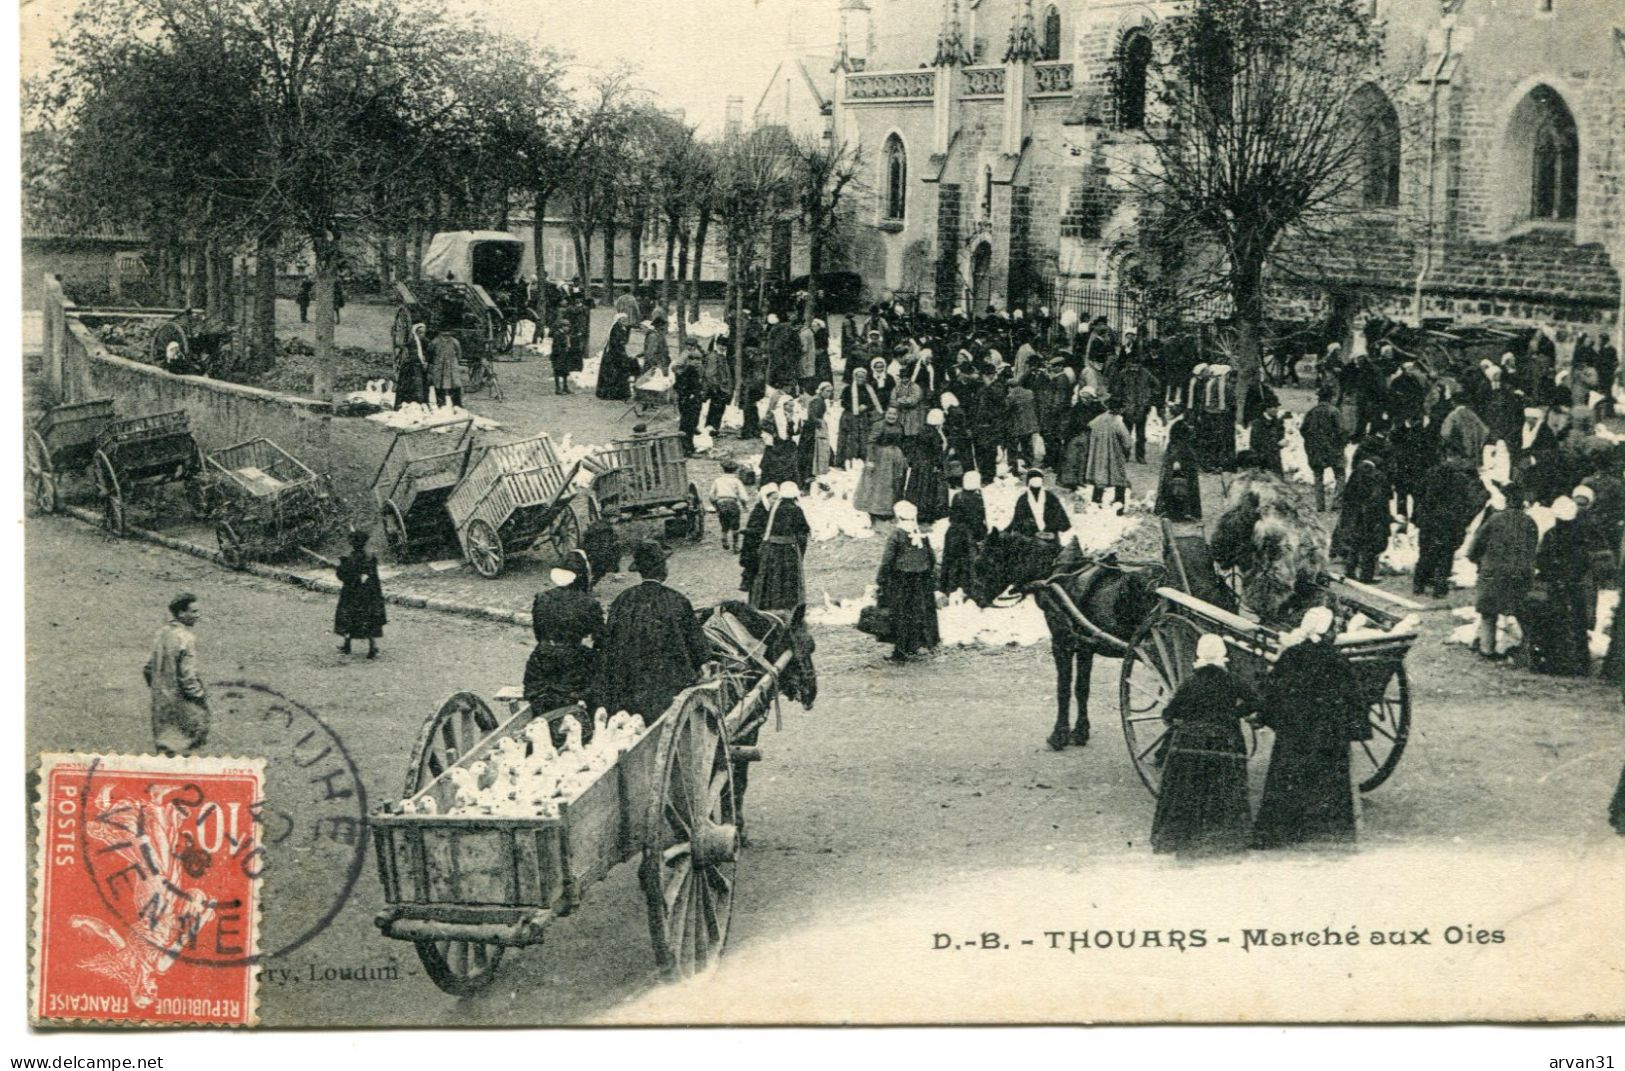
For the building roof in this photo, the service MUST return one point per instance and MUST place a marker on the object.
(38, 225)
(821, 86)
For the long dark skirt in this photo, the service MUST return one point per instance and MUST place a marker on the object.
(1202, 809)
(779, 462)
(853, 439)
(913, 606)
(614, 376)
(927, 488)
(1307, 796)
(778, 583)
(958, 559)
(360, 612)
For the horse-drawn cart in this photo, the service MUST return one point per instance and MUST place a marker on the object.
(647, 476)
(1161, 654)
(142, 454)
(464, 888)
(513, 496)
(62, 440)
(265, 502)
(420, 470)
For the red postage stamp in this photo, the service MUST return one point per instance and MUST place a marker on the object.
(146, 906)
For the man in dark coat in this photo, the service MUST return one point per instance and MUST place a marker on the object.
(689, 385)
(1323, 443)
(988, 423)
(1504, 551)
(1137, 387)
(1039, 512)
(654, 647)
(1313, 701)
(1448, 497)
(569, 627)
(1362, 526)
(1413, 451)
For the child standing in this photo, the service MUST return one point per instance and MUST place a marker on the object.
(728, 498)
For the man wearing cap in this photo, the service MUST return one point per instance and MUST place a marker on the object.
(1039, 512)
(180, 706)
(654, 647)
(1313, 701)
(569, 627)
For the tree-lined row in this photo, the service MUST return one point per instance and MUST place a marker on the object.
(262, 127)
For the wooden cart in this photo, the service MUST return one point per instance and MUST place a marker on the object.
(142, 454)
(465, 889)
(646, 476)
(1163, 651)
(512, 497)
(419, 472)
(265, 502)
(62, 440)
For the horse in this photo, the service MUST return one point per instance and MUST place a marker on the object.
(1093, 606)
(778, 631)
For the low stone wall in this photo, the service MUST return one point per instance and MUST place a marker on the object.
(222, 414)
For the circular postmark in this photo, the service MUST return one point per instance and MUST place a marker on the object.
(197, 842)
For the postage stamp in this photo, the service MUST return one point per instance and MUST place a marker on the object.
(147, 897)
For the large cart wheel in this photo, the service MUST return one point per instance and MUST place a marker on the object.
(565, 534)
(452, 732)
(112, 500)
(460, 968)
(483, 546)
(691, 860)
(389, 514)
(41, 474)
(230, 544)
(696, 515)
(1390, 715)
(1159, 660)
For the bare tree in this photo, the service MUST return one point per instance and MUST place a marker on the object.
(753, 187)
(1259, 134)
(821, 172)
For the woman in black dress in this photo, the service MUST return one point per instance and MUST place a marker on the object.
(1202, 808)
(905, 585)
(360, 613)
(967, 527)
(926, 484)
(1313, 701)
(1179, 488)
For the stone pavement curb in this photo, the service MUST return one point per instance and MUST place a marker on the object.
(287, 576)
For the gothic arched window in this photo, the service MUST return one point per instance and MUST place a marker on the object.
(1133, 69)
(1052, 34)
(1379, 159)
(1544, 157)
(896, 178)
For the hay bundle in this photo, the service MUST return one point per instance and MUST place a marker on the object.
(1273, 536)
